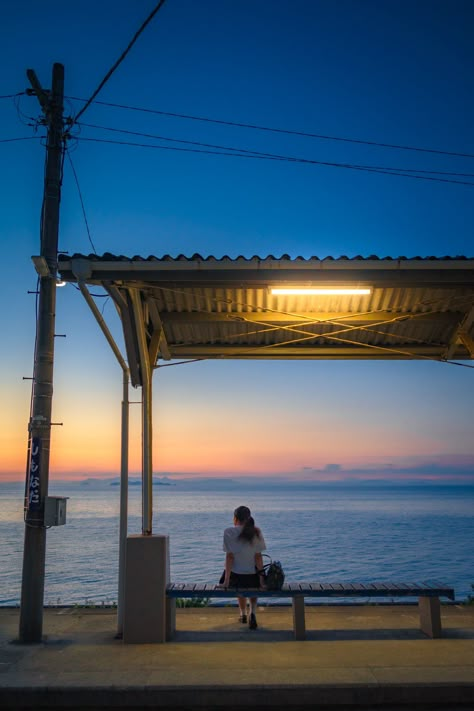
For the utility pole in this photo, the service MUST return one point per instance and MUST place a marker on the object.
(39, 427)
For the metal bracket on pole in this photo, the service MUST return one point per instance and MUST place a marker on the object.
(42, 95)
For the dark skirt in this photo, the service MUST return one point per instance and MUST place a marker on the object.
(244, 580)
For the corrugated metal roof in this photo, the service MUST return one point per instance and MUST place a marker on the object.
(108, 257)
(195, 307)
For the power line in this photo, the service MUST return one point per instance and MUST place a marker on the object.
(82, 202)
(121, 58)
(12, 96)
(24, 118)
(97, 296)
(21, 138)
(166, 138)
(257, 156)
(262, 156)
(270, 129)
(269, 155)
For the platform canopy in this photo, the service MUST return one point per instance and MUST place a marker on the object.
(186, 308)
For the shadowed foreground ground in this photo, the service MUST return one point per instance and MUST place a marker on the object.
(366, 656)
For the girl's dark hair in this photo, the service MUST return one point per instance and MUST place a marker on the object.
(249, 530)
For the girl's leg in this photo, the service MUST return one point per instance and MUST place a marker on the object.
(242, 609)
(253, 613)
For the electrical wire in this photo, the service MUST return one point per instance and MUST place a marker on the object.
(98, 296)
(258, 156)
(21, 138)
(174, 140)
(261, 153)
(12, 96)
(104, 304)
(81, 201)
(181, 362)
(24, 118)
(121, 58)
(289, 132)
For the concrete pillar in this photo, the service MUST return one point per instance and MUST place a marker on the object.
(147, 572)
(299, 625)
(430, 616)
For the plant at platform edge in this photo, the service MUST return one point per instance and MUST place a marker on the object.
(192, 602)
(470, 597)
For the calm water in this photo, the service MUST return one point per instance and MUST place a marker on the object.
(333, 533)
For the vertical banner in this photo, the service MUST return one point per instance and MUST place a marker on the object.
(34, 475)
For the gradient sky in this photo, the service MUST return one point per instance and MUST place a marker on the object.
(396, 72)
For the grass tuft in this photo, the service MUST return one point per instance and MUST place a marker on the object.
(192, 602)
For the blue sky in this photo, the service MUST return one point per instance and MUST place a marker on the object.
(391, 72)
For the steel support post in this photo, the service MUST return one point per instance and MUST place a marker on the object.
(147, 433)
(124, 448)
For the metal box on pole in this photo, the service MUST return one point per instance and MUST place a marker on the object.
(55, 510)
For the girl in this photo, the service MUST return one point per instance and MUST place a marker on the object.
(243, 545)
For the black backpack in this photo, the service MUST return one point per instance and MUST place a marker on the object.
(274, 574)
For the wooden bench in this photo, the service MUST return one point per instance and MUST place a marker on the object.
(428, 595)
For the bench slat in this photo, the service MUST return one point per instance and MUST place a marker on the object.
(430, 585)
(391, 585)
(294, 587)
(208, 587)
(315, 589)
(358, 587)
(305, 587)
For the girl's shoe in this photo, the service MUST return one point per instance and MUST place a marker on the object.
(243, 619)
(252, 622)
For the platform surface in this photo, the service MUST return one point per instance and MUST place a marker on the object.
(368, 656)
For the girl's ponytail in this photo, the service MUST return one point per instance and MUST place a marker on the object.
(249, 530)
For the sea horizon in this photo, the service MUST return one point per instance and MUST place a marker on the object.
(327, 531)
(250, 480)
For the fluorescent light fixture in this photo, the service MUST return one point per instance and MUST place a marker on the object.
(331, 291)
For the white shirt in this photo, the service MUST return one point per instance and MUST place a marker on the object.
(244, 551)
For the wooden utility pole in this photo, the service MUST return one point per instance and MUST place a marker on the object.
(39, 428)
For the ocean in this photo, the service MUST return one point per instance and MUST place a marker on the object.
(329, 532)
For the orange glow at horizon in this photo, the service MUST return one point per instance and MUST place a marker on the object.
(218, 427)
(92, 448)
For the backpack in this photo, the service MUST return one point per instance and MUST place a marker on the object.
(274, 574)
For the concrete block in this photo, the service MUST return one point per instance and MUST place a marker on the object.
(299, 625)
(147, 572)
(430, 616)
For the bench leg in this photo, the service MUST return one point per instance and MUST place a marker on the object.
(430, 616)
(299, 626)
(170, 618)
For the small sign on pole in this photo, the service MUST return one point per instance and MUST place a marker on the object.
(34, 475)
